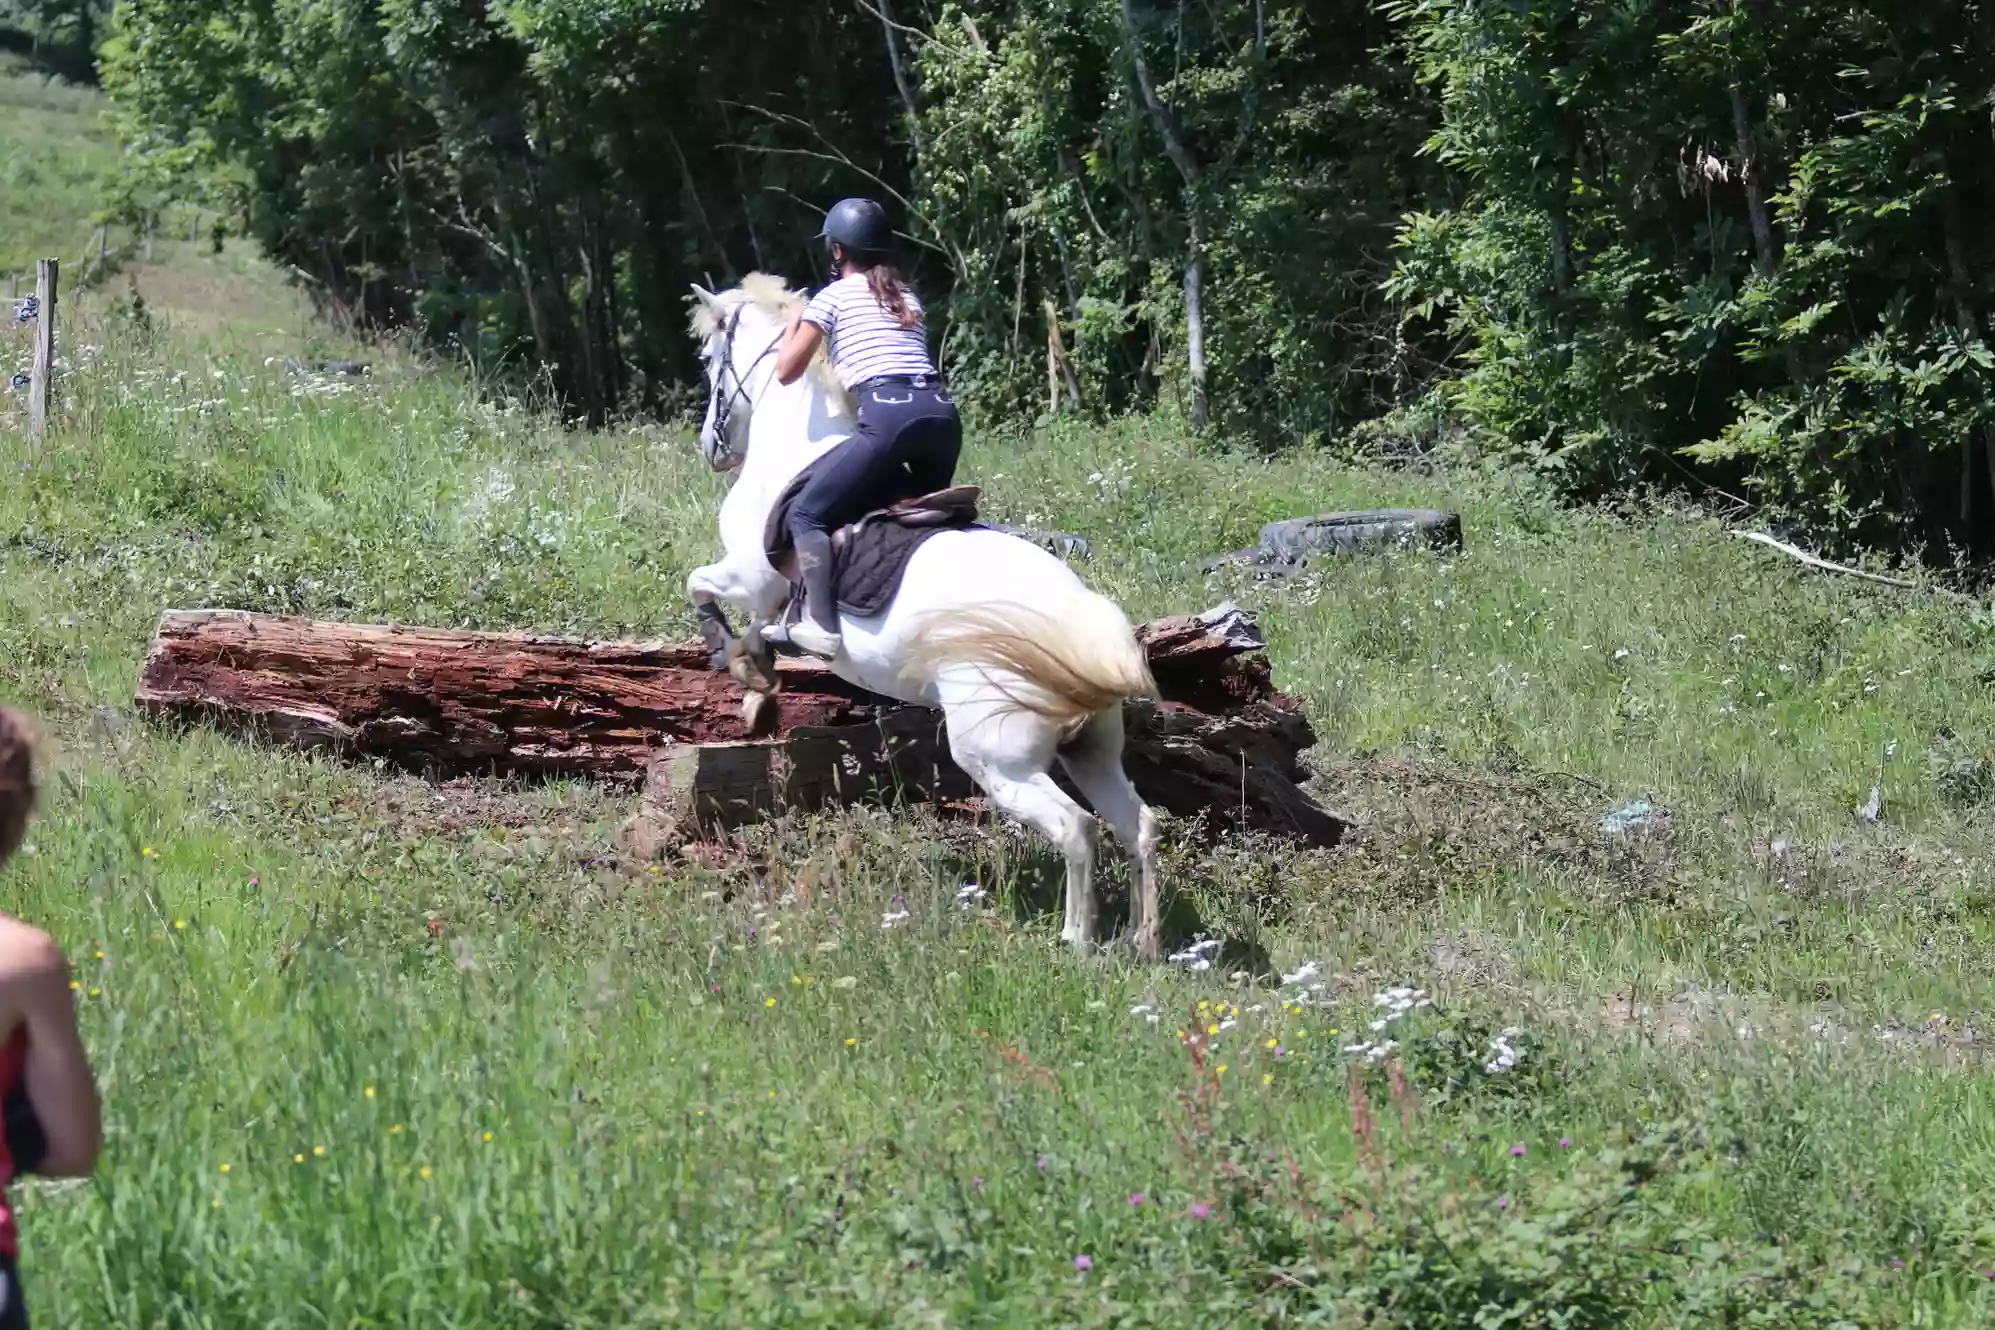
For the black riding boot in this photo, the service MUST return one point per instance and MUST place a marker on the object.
(820, 596)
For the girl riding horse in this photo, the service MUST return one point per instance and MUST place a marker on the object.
(909, 434)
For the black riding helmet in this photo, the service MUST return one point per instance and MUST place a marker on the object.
(860, 225)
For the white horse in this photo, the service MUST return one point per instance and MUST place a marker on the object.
(1026, 663)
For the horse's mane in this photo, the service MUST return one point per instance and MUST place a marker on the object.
(773, 296)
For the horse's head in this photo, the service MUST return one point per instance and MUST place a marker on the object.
(739, 331)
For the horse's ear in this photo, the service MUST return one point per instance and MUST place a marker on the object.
(706, 297)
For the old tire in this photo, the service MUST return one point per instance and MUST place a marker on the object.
(1357, 532)
(1065, 545)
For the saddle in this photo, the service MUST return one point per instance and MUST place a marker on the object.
(869, 555)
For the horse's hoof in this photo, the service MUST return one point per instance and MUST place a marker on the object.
(749, 672)
(757, 709)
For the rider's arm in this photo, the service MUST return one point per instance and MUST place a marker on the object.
(34, 987)
(800, 343)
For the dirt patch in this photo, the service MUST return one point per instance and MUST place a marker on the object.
(1700, 1015)
(1425, 827)
(1475, 960)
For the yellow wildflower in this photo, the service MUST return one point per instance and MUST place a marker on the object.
(318, 1150)
(395, 1130)
(1267, 1078)
(768, 1002)
(180, 923)
(225, 1168)
(148, 852)
(1220, 1070)
(297, 1159)
(96, 992)
(1271, 1044)
(851, 1043)
(423, 1171)
(369, 1092)
(488, 1138)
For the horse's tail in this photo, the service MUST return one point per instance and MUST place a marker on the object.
(1067, 663)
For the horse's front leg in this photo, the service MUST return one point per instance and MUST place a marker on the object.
(744, 656)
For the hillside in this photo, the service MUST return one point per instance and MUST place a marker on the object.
(53, 153)
(383, 1052)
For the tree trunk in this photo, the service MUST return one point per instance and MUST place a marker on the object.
(1227, 772)
(1561, 247)
(1766, 246)
(901, 83)
(1221, 741)
(1967, 319)
(1752, 175)
(1201, 410)
(1179, 151)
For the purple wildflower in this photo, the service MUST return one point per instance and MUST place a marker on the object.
(977, 1181)
(1136, 1198)
(1201, 1211)
(1517, 1150)
(1042, 1163)
(1565, 1142)
(1084, 1263)
(1503, 1202)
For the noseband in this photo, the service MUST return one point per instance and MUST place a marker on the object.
(727, 398)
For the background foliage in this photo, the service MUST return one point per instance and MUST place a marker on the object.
(1719, 243)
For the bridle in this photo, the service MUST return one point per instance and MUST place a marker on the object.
(727, 399)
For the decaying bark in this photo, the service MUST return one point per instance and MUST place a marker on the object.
(1220, 741)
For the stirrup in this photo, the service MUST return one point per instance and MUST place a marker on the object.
(807, 636)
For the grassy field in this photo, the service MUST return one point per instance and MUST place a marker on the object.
(383, 1052)
(54, 152)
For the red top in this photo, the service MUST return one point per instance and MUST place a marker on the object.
(13, 1058)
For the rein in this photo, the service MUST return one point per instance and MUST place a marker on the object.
(726, 400)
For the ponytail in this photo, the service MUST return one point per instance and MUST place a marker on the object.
(17, 780)
(890, 289)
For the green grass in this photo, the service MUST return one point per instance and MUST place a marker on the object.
(54, 153)
(380, 1052)
(667, 1147)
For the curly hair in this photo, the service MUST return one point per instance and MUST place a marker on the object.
(17, 780)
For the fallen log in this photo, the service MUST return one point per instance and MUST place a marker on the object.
(1219, 741)
(1232, 771)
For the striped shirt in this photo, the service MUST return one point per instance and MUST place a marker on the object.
(866, 341)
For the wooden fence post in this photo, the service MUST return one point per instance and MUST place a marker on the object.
(44, 371)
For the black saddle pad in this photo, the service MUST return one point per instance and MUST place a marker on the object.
(870, 556)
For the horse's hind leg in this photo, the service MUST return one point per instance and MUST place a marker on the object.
(1013, 775)
(1094, 761)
